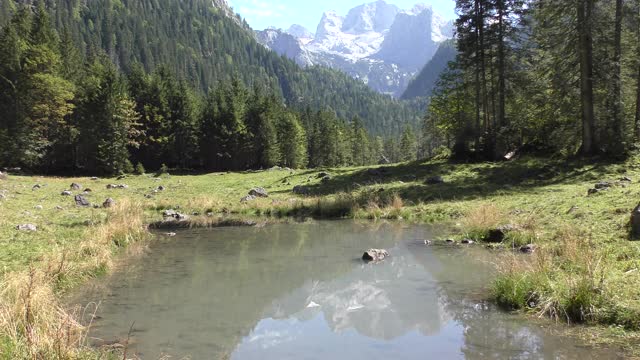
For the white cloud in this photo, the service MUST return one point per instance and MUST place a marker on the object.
(259, 8)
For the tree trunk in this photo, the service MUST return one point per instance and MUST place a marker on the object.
(637, 127)
(638, 105)
(585, 46)
(478, 69)
(501, 65)
(618, 132)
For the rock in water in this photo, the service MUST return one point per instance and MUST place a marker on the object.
(375, 255)
(108, 203)
(81, 201)
(635, 223)
(259, 192)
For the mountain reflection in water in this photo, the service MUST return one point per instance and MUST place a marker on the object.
(299, 292)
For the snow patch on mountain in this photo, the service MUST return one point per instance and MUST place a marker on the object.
(377, 42)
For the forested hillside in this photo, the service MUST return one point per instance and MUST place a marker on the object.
(206, 45)
(555, 76)
(181, 84)
(424, 83)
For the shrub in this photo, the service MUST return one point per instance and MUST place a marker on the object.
(128, 167)
(164, 170)
(139, 170)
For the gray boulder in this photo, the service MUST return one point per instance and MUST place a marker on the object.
(75, 186)
(528, 249)
(36, 187)
(375, 255)
(81, 201)
(173, 215)
(323, 175)
(117, 186)
(259, 192)
(27, 227)
(326, 179)
(499, 234)
(247, 198)
(602, 185)
(66, 193)
(108, 203)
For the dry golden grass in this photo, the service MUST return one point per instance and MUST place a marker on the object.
(397, 203)
(31, 315)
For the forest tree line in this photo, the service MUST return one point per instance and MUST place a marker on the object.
(204, 43)
(62, 110)
(555, 76)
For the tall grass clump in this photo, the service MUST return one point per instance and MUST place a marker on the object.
(566, 280)
(479, 221)
(33, 323)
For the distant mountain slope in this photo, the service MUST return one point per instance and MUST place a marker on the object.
(423, 84)
(205, 43)
(377, 43)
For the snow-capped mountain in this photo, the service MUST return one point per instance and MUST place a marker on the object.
(379, 43)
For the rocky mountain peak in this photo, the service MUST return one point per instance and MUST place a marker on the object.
(376, 16)
(330, 24)
(300, 32)
(378, 43)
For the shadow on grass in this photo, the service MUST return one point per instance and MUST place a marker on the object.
(464, 181)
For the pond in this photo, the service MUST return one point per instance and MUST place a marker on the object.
(300, 291)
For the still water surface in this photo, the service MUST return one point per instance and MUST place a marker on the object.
(299, 292)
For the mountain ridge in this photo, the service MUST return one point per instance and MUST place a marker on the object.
(377, 43)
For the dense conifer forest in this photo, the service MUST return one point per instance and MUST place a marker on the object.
(553, 76)
(97, 88)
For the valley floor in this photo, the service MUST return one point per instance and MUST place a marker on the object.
(583, 269)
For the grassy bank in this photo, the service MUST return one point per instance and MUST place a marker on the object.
(584, 268)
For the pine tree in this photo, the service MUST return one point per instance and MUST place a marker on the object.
(292, 140)
(408, 146)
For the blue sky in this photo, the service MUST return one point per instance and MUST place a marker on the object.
(261, 14)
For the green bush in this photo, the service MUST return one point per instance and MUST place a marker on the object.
(139, 170)
(164, 170)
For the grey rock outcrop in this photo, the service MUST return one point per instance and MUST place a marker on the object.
(377, 43)
(27, 227)
(259, 192)
(81, 201)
